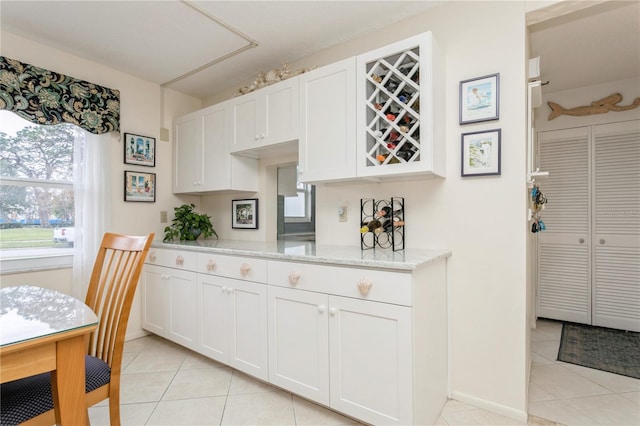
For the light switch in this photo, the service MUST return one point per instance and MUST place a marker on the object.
(163, 217)
(342, 213)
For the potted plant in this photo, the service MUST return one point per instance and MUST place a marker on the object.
(188, 225)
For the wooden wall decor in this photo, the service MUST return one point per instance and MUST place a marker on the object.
(602, 106)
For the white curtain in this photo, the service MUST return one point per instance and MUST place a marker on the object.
(92, 187)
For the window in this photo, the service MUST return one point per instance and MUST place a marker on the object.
(297, 208)
(36, 191)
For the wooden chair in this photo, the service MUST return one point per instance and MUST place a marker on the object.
(113, 284)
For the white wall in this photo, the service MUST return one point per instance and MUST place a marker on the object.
(140, 113)
(482, 220)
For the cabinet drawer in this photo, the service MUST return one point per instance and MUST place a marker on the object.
(172, 259)
(242, 268)
(369, 284)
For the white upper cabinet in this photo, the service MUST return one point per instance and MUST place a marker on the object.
(327, 149)
(265, 117)
(202, 161)
(374, 116)
(187, 167)
(400, 109)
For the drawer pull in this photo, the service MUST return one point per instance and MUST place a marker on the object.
(211, 265)
(180, 261)
(294, 277)
(153, 256)
(364, 286)
(244, 269)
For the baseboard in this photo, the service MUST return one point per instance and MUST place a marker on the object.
(135, 335)
(503, 410)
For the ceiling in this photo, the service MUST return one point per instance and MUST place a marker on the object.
(590, 46)
(168, 41)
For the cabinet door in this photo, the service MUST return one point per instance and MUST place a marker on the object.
(370, 360)
(299, 342)
(248, 327)
(187, 167)
(564, 248)
(215, 161)
(616, 225)
(182, 307)
(213, 314)
(279, 115)
(244, 123)
(327, 123)
(154, 286)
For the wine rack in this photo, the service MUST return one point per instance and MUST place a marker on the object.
(401, 110)
(382, 223)
(393, 109)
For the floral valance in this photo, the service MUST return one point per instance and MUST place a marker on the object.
(46, 97)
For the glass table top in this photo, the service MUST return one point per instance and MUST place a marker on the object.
(28, 312)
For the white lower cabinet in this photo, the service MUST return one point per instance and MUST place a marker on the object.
(232, 325)
(352, 355)
(370, 360)
(370, 343)
(299, 342)
(169, 304)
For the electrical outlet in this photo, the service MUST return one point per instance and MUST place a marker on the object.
(342, 214)
(163, 217)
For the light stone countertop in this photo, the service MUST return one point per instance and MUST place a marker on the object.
(306, 251)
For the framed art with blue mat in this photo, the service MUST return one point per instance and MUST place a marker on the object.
(606, 349)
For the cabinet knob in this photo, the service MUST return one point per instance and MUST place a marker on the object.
(332, 311)
(244, 269)
(257, 137)
(364, 286)
(581, 240)
(601, 240)
(153, 256)
(262, 136)
(180, 261)
(294, 277)
(211, 265)
(321, 308)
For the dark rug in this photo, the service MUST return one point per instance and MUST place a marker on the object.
(606, 349)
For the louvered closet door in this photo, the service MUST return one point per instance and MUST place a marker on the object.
(564, 291)
(616, 237)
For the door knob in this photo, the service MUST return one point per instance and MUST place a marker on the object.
(294, 277)
(211, 265)
(244, 269)
(364, 286)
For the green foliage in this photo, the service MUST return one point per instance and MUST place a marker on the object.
(188, 225)
(38, 153)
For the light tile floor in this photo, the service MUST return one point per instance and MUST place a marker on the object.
(165, 384)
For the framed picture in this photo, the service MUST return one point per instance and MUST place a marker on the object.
(481, 153)
(139, 150)
(139, 186)
(244, 214)
(480, 99)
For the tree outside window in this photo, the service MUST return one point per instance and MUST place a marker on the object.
(36, 183)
